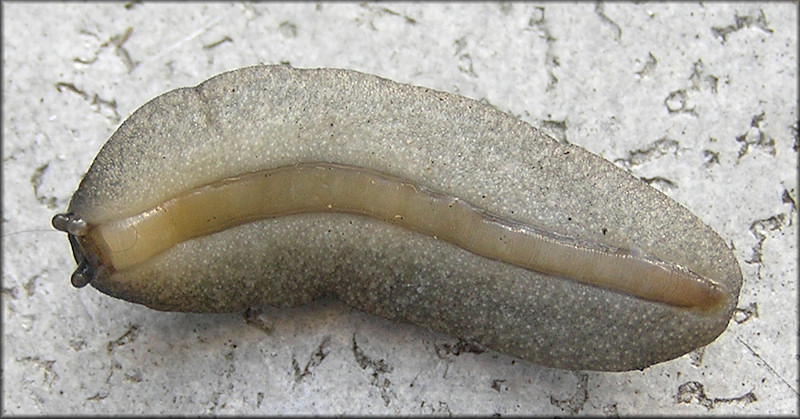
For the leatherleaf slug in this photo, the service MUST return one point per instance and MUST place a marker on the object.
(271, 185)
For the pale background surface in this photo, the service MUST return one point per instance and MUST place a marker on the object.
(699, 99)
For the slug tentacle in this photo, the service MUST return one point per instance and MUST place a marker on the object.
(89, 267)
(60, 221)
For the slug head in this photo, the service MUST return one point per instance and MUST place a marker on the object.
(90, 266)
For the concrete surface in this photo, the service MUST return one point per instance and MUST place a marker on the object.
(700, 100)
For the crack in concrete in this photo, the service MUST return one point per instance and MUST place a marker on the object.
(557, 129)
(314, 360)
(711, 158)
(30, 285)
(766, 364)
(441, 410)
(497, 385)
(222, 41)
(375, 12)
(444, 350)
(743, 314)
(759, 229)
(107, 108)
(599, 10)
(574, 403)
(694, 392)
(116, 42)
(660, 183)
(49, 202)
(786, 198)
(465, 61)
(678, 102)
(696, 356)
(49, 375)
(648, 67)
(379, 369)
(759, 20)
(700, 80)
(655, 150)
(128, 337)
(551, 62)
(288, 29)
(755, 137)
(252, 317)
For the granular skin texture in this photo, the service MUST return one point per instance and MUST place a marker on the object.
(269, 116)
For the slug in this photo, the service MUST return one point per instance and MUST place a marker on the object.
(271, 185)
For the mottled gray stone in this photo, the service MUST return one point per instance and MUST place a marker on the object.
(594, 75)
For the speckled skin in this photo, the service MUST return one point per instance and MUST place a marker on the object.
(267, 116)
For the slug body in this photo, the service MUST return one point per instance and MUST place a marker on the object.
(273, 185)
